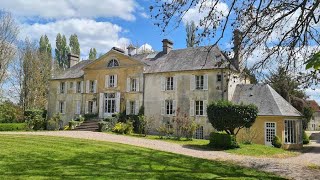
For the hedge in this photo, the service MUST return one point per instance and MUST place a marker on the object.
(12, 126)
(223, 141)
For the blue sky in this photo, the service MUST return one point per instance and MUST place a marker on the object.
(102, 24)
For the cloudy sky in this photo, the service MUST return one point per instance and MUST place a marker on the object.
(102, 24)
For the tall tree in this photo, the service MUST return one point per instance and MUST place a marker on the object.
(8, 35)
(62, 51)
(191, 34)
(93, 54)
(74, 44)
(45, 54)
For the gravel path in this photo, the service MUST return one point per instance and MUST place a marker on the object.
(293, 167)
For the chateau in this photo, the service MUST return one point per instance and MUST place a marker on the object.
(167, 82)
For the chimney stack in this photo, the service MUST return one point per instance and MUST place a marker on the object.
(237, 48)
(73, 59)
(167, 46)
(130, 48)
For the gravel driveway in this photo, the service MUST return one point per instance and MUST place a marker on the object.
(293, 167)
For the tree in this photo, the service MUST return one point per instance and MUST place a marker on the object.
(8, 35)
(61, 51)
(191, 34)
(308, 114)
(93, 54)
(229, 117)
(282, 29)
(74, 44)
(314, 62)
(250, 75)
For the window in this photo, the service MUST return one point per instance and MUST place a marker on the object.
(90, 107)
(219, 77)
(71, 85)
(132, 107)
(113, 63)
(199, 133)
(199, 108)
(61, 107)
(169, 83)
(62, 87)
(133, 84)
(79, 87)
(169, 107)
(111, 81)
(92, 86)
(270, 132)
(110, 103)
(199, 82)
(78, 107)
(293, 131)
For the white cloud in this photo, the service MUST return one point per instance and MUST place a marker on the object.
(197, 14)
(145, 48)
(313, 94)
(61, 9)
(91, 34)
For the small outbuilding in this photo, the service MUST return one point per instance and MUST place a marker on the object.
(276, 116)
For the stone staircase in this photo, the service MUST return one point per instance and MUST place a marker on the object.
(90, 125)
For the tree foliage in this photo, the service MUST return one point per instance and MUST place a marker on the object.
(229, 117)
(93, 54)
(191, 34)
(314, 62)
(62, 51)
(282, 29)
(74, 44)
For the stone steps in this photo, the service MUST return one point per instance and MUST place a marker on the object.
(91, 125)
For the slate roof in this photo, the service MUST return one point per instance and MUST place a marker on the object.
(268, 101)
(74, 72)
(196, 58)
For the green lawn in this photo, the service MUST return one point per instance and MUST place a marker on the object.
(256, 150)
(41, 157)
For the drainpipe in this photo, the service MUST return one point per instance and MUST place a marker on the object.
(222, 89)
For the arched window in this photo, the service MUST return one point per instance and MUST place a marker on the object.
(113, 63)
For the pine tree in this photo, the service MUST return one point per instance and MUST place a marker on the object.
(93, 54)
(62, 51)
(191, 34)
(74, 44)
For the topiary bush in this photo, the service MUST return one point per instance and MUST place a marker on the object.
(221, 140)
(306, 138)
(276, 142)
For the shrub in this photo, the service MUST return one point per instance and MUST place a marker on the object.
(90, 116)
(128, 127)
(249, 135)
(102, 126)
(306, 138)
(35, 119)
(10, 113)
(223, 141)
(276, 142)
(229, 117)
(119, 128)
(53, 123)
(165, 130)
(12, 126)
(73, 124)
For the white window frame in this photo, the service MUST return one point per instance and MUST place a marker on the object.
(78, 87)
(113, 63)
(62, 87)
(266, 128)
(91, 86)
(169, 109)
(78, 107)
(133, 84)
(62, 106)
(199, 84)
(292, 135)
(90, 107)
(169, 83)
(199, 133)
(111, 81)
(132, 107)
(112, 101)
(199, 108)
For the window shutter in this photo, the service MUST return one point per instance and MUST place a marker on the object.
(75, 86)
(137, 107)
(174, 106)
(205, 104)
(205, 85)
(192, 82)
(128, 84)
(128, 107)
(175, 85)
(138, 84)
(94, 108)
(191, 108)
(57, 107)
(162, 107)
(81, 87)
(107, 81)
(58, 88)
(86, 107)
(87, 86)
(95, 86)
(64, 107)
(101, 105)
(115, 80)
(163, 84)
(118, 102)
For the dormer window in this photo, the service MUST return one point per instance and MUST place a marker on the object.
(113, 63)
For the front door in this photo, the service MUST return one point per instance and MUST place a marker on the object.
(270, 132)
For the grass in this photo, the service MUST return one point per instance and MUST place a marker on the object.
(12, 126)
(41, 157)
(313, 167)
(256, 150)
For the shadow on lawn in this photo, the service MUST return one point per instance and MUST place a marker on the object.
(113, 161)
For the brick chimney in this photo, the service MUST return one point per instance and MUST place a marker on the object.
(167, 46)
(130, 48)
(237, 48)
(73, 59)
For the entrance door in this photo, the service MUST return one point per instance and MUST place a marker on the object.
(270, 132)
